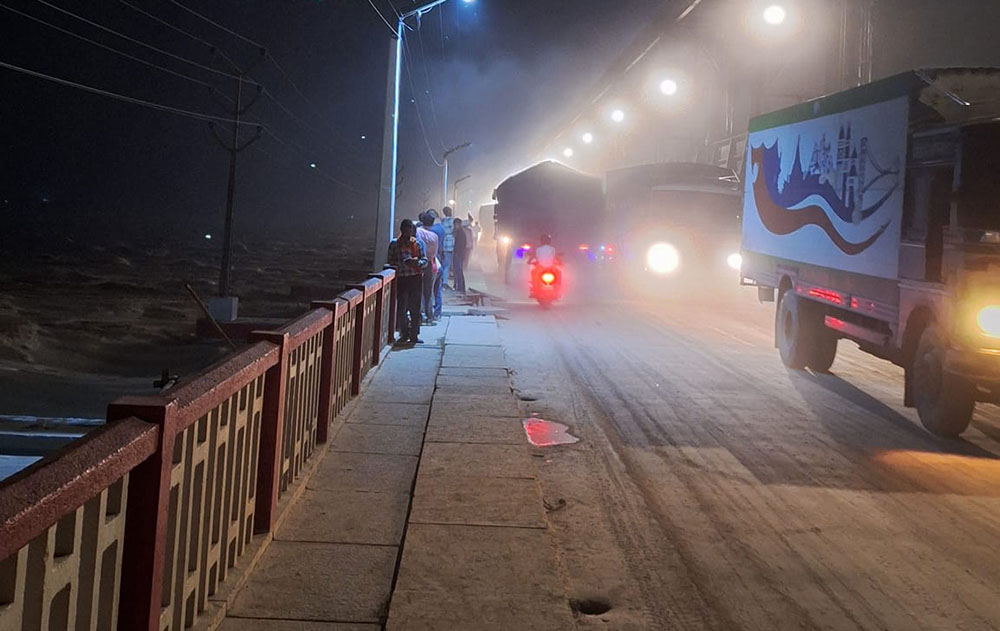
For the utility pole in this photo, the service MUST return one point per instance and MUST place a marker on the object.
(448, 152)
(386, 213)
(454, 188)
(234, 148)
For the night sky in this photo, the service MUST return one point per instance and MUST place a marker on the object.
(499, 73)
(490, 73)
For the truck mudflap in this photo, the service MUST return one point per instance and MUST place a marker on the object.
(982, 367)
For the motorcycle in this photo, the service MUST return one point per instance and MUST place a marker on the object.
(546, 283)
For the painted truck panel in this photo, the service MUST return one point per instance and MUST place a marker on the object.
(829, 191)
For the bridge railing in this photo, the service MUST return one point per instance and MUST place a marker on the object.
(63, 531)
(139, 524)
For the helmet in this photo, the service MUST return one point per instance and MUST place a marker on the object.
(546, 239)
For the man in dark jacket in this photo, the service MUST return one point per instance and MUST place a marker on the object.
(407, 255)
(458, 258)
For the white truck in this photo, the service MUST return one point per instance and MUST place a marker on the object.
(874, 215)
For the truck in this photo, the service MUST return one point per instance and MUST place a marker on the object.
(873, 215)
(547, 198)
(688, 211)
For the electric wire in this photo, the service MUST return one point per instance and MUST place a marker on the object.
(427, 82)
(305, 154)
(420, 119)
(179, 111)
(113, 50)
(315, 109)
(382, 17)
(141, 43)
(267, 93)
(212, 47)
(219, 26)
(121, 97)
(316, 171)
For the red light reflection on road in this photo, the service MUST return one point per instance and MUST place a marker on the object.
(542, 433)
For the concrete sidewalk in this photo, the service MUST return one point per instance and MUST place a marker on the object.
(424, 513)
(477, 555)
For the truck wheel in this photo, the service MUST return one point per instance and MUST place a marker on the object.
(802, 339)
(944, 401)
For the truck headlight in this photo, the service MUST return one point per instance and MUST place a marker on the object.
(988, 319)
(663, 258)
(735, 261)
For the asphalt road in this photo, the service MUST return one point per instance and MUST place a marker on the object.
(715, 489)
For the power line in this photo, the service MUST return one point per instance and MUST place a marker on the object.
(219, 26)
(115, 95)
(212, 47)
(267, 93)
(109, 48)
(140, 43)
(420, 119)
(427, 81)
(382, 17)
(305, 154)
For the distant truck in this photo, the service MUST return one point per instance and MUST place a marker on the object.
(678, 220)
(874, 215)
(547, 198)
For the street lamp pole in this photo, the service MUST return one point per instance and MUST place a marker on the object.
(386, 218)
(444, 187)
(454, 192)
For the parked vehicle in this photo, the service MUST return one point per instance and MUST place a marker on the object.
(874, 215)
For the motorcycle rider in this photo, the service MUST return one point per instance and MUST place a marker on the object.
(542, 258)
(544, 255)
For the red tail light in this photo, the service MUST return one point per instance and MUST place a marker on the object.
(526, 246)
(548, 278)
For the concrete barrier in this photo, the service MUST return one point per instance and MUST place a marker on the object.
(138, 524)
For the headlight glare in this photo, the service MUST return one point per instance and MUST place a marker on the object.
(663, 258)
(988, 319)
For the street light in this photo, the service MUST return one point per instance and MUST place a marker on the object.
(775, 15)
(587, 138)
(448, 152)
(568, 152)
(668, 87)
(454, 190)
(386, 217)
(618, 116)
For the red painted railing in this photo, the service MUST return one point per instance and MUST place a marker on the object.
(136, 526)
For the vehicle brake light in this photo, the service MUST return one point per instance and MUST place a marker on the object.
(548, 278)
(584, 247)
(526, 246)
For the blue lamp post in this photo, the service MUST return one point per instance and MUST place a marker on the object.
(385, 224)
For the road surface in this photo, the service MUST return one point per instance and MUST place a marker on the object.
(715, 489)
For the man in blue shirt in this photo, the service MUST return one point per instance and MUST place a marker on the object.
(446, 249)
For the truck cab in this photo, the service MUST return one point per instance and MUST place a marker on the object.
(907, 195)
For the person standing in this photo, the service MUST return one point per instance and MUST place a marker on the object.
(447, 244)
(470, 240)
(429, 238)
(407, 256)
(458, 258)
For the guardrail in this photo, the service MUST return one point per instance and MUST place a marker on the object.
(136, 526)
